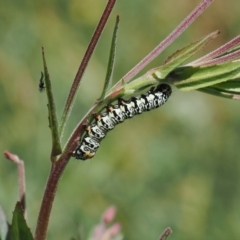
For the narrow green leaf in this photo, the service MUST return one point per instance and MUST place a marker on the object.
(180, 56)
(229, 89)
(220, 93)
(108, 79)
(19, 229)
(192, 78)
(232, 86)
(3, 225)
(53, 122)
(160, 73)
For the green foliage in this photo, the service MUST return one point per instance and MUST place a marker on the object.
(19, 229)
(178, 166)
(111, 61)
(172, 68)
(183, 54)
(192, 78)
(52, 114)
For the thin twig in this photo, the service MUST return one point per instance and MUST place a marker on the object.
(226, 58)
(21, 178)
(167, 41)
(165, 234)
(224, 48)
(59, 166)
(84, 63)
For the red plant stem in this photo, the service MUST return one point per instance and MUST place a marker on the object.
(226, 58)
(224, 48)
(59, 166)
(165, 234)
(21, 178)
(54, 177)
(48, 198)
(84, 62)
(167, 41)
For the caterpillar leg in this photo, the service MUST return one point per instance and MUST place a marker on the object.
(83, 152)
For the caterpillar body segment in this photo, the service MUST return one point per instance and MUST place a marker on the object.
(95, 132)
(104, 122)
(115, 114)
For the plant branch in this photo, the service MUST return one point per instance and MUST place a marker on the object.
(165, 234)
(49, 195)
(59, 166)
(55, 175)
(167, 41)
(225, 58)
(21, 178)
(221, 50)
(84, 63)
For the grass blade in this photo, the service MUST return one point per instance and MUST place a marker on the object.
(53, 121)
(108, 79)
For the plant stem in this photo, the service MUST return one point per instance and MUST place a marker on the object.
(55, 174)
(168, 40)
(221, 50)
(48, 198)
(225, 58)
(54, 177)
(21, 178)
(59, 166)
(165, 234)
(84, 63)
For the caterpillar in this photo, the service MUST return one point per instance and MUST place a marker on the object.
(115, 114)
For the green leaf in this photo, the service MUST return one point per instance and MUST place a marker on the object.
(180, 56)
(3, 225)
(111, 61)
(53, 121)
(192, 78)
(19, 229)
(229, 89)
(160, 74)
(232, 86)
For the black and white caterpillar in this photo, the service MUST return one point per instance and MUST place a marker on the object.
(115, 114)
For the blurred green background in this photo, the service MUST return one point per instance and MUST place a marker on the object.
(177, 166)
